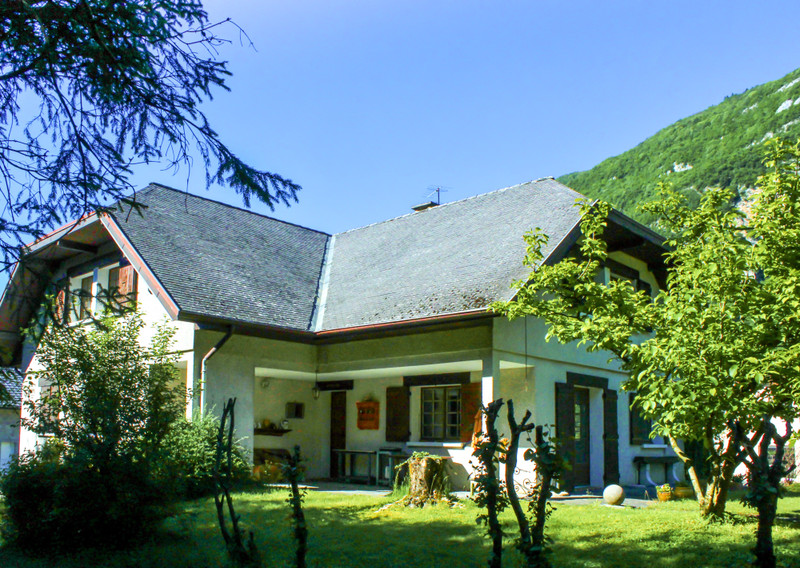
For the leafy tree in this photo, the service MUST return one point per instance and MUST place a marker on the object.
(90, 89)
(107, 404)
(716, 355)
(106, 397)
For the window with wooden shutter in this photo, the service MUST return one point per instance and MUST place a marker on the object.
(85, 299)
(398, 417)
(127, 285)
(640, 428)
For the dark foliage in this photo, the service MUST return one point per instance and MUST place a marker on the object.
(55, 505)
(106, 405)
(190, 448)
(90, 89)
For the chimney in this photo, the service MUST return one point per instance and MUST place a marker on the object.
(424, 206)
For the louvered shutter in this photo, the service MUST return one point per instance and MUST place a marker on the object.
(470, 406)
(127, 285)
(398, 417)
(60, 309)
(639, 427)
(610, 438)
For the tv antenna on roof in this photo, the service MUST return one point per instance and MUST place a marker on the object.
(438, 190)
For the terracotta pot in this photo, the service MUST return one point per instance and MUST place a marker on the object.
(664, 495)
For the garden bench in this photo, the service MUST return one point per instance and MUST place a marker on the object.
(669, 463)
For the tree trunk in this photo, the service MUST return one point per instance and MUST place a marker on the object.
(492, 485)
(714, 497)
(764, 549)
(765, 479)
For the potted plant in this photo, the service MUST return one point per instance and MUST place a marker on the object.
(664, 492)
(683, 490)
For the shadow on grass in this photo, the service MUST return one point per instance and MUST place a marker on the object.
(346, 531)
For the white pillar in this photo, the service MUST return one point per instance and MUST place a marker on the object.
(490, 376)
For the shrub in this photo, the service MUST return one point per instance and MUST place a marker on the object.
(190, 448)
(54, 503)
(110, 405)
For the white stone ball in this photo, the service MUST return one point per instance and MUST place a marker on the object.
(614, 495)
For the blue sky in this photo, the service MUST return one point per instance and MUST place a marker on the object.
(367, 104)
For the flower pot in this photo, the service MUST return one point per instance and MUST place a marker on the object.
(664, 495)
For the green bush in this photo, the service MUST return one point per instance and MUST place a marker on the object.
(53, 503)
(107, 404)
(190, 449)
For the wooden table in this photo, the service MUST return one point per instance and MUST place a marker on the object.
(346, 465)
(390, 459)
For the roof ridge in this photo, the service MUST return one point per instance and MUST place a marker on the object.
(453, 203)
(153, 184)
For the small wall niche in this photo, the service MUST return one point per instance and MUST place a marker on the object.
(295, 410)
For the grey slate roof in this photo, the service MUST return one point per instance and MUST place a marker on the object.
(11, 385)
(451, 258)
(221, 261)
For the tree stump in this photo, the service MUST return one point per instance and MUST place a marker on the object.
(428, 481)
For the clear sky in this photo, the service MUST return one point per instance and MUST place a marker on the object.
(369, 103)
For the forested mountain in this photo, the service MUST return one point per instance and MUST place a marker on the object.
(718, 146)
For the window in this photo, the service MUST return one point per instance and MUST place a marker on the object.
(113, 282)
(441, 413)
(83, 298)
(51, 402)
(618, 271)
(640, 428)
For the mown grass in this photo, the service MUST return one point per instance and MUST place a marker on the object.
(347, 530)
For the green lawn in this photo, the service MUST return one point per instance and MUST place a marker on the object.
(347, 531)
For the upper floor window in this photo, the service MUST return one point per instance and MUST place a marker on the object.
(618, 271)
(93, 294)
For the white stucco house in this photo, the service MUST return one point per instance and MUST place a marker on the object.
(364, 345)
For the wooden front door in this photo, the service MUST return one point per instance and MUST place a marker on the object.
(338, 427)
(580, 469)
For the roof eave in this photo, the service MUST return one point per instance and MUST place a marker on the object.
(140, 265)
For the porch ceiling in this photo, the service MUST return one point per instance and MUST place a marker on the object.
(374, 373)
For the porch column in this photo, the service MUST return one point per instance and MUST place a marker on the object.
(489, 374)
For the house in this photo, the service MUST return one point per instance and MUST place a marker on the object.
(365, 345)
(11, 379)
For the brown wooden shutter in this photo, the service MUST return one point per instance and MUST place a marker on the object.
(639, 427)
(610, 438)
(398, 416)
(127, 285)
(470, 406)
(60, 309)
(565, 429)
